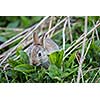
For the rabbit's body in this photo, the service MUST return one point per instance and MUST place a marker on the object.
(50, 46)
(40, 50)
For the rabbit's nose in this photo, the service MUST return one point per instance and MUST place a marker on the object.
(46, 64)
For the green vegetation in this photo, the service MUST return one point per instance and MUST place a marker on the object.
(78, 59)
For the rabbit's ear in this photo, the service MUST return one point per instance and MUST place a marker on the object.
(42, 40)
(35, 38)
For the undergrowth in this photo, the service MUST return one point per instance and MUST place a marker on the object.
(64, 64)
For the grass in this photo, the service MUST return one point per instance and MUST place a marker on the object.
(78, 59)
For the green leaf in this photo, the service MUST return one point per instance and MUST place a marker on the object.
(24, 57)
(18, 50)
(13, 63)
(70, 60)
(2, 39)
(66, 74)
(56, 58)
(13, 24)
(60, 57)
(54, 71)
(24, 68)
(95, 45)
(37, 18)
(94, 53)
(26, 22)
(53, 57)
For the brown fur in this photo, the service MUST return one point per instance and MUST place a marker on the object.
(40, 50)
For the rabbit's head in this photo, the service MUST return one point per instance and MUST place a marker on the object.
(39, 54)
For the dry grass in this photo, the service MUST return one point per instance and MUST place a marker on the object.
(26, 41)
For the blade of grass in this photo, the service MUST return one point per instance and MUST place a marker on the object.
(63, 33)
(70, 31)
(80, 73)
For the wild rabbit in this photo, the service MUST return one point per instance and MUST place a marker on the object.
(40, 50)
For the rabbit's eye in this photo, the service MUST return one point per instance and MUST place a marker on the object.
(39, 54)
